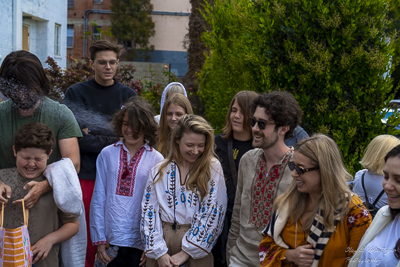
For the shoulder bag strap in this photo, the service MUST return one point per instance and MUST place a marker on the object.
(365, 191)
(232, 162)
(378, 197)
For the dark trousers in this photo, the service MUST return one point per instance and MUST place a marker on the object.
(127, 257)
(219, 250)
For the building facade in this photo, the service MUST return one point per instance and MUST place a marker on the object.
(38, 26)
(89, 19)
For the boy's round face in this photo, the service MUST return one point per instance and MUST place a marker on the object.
(31, 162)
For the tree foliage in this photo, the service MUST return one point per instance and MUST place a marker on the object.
(132, 23)
(195, 50)
(332, 55)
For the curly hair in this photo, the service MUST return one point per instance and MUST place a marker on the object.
(282, 108)
(141, 120)
(36, 134)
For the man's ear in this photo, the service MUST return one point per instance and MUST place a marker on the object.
(284, 129)
(91, 64)
(50, 153)
(15, 153)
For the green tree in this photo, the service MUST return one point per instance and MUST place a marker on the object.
(332, 55)
(132, 24)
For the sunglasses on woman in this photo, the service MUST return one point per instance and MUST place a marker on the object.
(300, 169)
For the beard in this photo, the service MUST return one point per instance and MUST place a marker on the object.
(265, 143)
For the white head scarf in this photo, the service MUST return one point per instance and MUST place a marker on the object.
(165, 92)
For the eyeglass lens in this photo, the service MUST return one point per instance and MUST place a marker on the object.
(104, 62)
(261, 124)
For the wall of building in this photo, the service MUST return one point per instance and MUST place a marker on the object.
(171, 18)
(40, 16)
(5, 28)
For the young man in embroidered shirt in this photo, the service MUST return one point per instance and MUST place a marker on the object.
(93, 102)
(263, 174)
(121, 176)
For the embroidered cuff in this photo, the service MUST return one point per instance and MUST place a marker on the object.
(99, 243)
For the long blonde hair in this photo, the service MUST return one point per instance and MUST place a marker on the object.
(164, 140)
(199, 174)
(324, 153)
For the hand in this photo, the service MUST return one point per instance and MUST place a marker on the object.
(5, 192)
(179, 258)
(143, 259)
(41, 249)
(85, 130)
(301, 256)
(36, 190)
(164, 261)
(101, 253)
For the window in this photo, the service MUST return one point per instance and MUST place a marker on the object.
(98, 1)
(96, 30)
(70, 3)
(70, 35)
(57, 40)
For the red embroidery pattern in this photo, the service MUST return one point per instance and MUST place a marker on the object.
(264, 190)
(127, 172)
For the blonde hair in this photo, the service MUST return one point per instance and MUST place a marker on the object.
(243, 99)
(164, 140)
(374, 154)
(335, 195)
(199, 174)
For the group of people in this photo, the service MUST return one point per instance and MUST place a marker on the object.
(167, 192)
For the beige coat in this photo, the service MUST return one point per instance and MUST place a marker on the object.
(244, 237)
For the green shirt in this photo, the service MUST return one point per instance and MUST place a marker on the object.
(55, 115)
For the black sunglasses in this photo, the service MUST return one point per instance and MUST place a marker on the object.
(300, 169)
(261, 124)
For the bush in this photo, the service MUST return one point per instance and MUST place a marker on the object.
(333, 56)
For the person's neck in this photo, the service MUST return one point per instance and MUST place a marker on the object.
(274, 154)
(312, 202)
(133, 148)
(242, 136)
(29, 112)
(104, 83)
(184, 165)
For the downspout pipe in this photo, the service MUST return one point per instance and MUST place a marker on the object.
(85, 25)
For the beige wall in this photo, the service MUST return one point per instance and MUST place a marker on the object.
(171, 5)
(170, 29)
(170, 32)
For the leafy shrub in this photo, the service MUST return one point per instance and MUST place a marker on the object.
(60, 79)
(333, 56)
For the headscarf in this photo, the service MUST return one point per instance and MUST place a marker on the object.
(165, 92)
